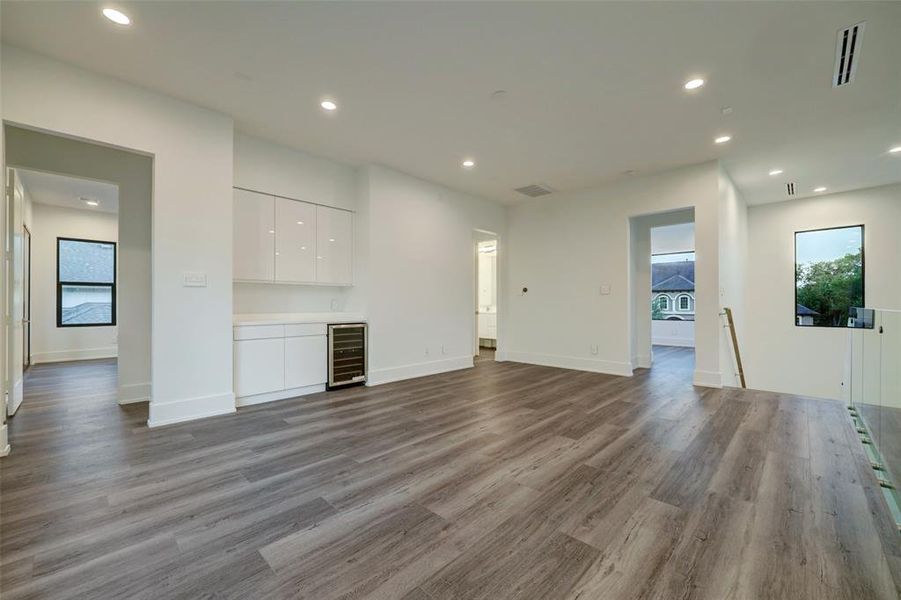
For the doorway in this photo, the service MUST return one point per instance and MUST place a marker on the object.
(79, 308)
(672, 298)
(486, 297)
(26, 300)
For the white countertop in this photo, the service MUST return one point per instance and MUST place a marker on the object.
(286, 318)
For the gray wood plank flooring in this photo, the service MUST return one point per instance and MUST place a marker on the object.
(502, 481)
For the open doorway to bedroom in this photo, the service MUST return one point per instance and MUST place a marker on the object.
(81, 321)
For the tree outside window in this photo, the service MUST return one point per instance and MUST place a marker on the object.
(829, 275)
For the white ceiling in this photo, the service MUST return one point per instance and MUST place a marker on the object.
(69, 192)
(593, 89)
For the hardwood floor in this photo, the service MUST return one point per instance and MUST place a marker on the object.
(502, 481)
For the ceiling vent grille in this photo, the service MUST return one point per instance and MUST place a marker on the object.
(535, 190)
(790, 188)
(847, 54)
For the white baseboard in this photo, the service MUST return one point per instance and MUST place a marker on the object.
(130, 393)
(641, 362)
(280, 395)
(380, 376)
(572, 362)
(4, 440)
(67, 355)
(189, 409)
(711, 379)
(674, 341)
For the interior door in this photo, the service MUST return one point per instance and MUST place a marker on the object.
(26, 299)
(15, 298)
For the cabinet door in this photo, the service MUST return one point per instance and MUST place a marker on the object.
(259, 366)
(295, 238)
(253, 244)
(334, 246)
(305, 361)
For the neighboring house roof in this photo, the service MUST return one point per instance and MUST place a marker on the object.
(660, 272)
(89, 262)
(803, 311)
(676, 283)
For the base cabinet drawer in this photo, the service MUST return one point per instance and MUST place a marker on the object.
(306, 361)
(260, 366)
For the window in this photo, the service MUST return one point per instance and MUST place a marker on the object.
(663, 302)
(85, 283)
(684, 302)
(829, 275)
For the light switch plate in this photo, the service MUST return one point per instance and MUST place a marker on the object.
(194, 279)
(605, 289)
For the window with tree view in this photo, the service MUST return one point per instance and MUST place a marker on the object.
(829, 275)
(86, 283)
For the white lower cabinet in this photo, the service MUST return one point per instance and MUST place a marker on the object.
(305, 361)
(259, 366)
(274, 362)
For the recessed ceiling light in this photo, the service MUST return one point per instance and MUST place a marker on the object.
(722, 139)
(116, 16)
(92, 203)
(776, 172)
(328, 105)
(469, 163)
(693, 84)
(895, 150)
(331, 239)
(271, 231)
(819, 189)
(300, 222)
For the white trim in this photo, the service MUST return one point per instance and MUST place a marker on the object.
(189, 409)
(15, 397)
(572, 362)
(4, 440)
(641, 362)
(67, 355)
(674, 341)
(380, 376)
(679, 303)
(134, 392)
(711, 379)
(279, 395)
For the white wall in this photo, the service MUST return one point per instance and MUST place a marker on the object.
(192, 151)
(564, 248)
(809, 360)
(733, 267)
(419, 281)
(263, 166)
(49, 342)
(673, 333)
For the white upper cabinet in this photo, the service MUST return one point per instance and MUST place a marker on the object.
(254, 236)
(288, 241)
(295, 241)
(334, 246)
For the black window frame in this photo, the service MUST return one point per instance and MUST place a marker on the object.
(60, 284)
(863, 273)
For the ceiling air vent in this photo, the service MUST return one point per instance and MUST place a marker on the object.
(534, 190)
(790, 188)
(847, 54)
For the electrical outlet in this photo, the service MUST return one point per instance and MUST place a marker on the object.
(426, 350)
(443, 351)
(334, 304)
(594, 349)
